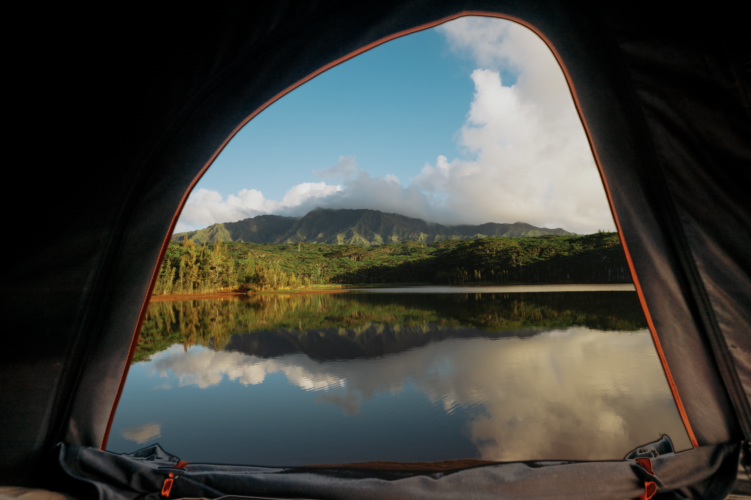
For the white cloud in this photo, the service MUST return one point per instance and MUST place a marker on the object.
(528, 158)
(530, 165)
(532, 161)
(360, 190)
(357, 190)
(206, 207)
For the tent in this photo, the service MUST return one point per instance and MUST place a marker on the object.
(143, 100)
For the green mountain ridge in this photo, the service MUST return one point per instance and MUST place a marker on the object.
(354, 227)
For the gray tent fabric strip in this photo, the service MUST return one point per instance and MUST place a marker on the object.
(704, 472)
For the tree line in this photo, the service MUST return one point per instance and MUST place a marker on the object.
(595, 258)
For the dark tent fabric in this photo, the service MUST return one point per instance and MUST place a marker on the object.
(142, 475)
(152, 97)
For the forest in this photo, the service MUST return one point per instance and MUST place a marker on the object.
(361, 324)
(190, 268)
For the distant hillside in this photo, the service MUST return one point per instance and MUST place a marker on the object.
(353, 227)
(261, 229)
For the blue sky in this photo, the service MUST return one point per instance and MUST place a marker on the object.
(394, 108)
(467, 123)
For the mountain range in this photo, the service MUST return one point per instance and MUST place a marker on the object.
(353, 227)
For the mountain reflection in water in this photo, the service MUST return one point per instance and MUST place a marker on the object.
(571, 376)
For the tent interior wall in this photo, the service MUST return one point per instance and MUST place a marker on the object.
(152, 97)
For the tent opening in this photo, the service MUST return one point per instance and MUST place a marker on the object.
(410, 259)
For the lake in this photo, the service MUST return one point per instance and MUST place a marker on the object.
(415, 374)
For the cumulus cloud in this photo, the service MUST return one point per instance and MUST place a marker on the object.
(527, 157)
(529, 166)
(575, 394)
(206, 207)
(357, 189)
(532, 161)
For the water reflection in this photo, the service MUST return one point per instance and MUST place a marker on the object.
(143, 433)
(205, 368)
(212, 323)
(410, 378)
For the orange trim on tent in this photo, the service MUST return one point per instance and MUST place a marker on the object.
(650, 487)
(137, 333)
(167, 486)
(349, 56)
(640, 293)
(637, 284)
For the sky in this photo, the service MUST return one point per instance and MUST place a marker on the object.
(466, 123)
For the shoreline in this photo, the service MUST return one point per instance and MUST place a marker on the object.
(499, 288)
(410, 288)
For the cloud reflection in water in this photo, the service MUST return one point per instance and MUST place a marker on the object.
(143, 433)
(204, 368)
(574, 394)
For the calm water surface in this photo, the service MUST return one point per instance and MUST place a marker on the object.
(354, 377)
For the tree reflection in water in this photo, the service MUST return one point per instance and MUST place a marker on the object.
(212, 322)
